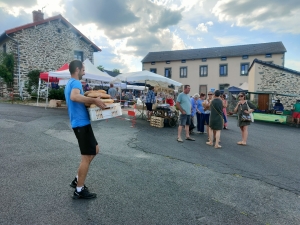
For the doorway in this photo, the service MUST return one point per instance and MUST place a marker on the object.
(263, 101)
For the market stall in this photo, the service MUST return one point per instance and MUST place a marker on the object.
(155, 80)
(266, 108)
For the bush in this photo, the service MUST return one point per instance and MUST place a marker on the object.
(33, 81)
(57, 94)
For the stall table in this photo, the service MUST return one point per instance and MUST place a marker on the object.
(164, 111)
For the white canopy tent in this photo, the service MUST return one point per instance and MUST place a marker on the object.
(244, 86)
(148, 77)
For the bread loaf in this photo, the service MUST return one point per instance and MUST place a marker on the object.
(101, 91)
(106, 96)
(94, 94)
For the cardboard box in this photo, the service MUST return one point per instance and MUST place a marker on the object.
(114, 110)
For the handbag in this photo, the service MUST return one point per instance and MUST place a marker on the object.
(250, 114)
(249, 117)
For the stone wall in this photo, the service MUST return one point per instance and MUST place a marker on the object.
(281, 81)
(46, 47)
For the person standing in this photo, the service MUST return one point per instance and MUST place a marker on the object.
(81, 125)
(206, 106)
(296, 113)
(243, 108)
(225, 104)
(112, 91)
(200, 114)
(150, 100)
(194, 101)
(183, 103)
(216, 120)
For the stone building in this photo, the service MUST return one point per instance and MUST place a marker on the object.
(212, 68)
(271, 78)
(44, 44)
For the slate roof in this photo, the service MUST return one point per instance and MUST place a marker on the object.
(216, 52)
(274, 66)
(58, 17)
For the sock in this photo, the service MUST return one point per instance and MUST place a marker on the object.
(78, 189)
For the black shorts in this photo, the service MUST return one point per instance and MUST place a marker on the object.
(149, 106)
(86, 139)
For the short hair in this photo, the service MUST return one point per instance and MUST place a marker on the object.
(217, 93)
(185, 86)
(202, 95)
(151, 88)
(74, 64)
(196, 95)
(111, 85)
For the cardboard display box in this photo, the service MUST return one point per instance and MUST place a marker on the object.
(114, 110)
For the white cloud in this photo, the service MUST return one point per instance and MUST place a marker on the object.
(199, 39)
(229, 40)
(275, 15)
(204, 27)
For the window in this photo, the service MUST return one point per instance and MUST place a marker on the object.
(223, 70)
(223, 86)
(168, 62)
(183, 72)
(245, 57)
(244, 69)
(204, 60)
(203, 71)
(153, 70)
(78, 55)
(268, 55)
(168, 72)
(203, 89)
(4, 48)
(223, 58)
(152, 63)
(183, 61)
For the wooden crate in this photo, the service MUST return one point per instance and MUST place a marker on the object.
(157, 121)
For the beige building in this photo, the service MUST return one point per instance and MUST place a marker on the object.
(212, 68)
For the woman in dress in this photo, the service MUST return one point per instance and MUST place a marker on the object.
(206, 106)
(243, 109)
(216, 122)
(225, 104)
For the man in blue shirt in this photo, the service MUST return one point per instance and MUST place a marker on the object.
(81, 125)
(183, 103)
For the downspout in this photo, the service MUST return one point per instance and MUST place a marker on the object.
(18, 52)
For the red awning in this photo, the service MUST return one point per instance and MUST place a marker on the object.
(44, 75)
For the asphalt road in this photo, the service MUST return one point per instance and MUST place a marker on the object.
(143, 175)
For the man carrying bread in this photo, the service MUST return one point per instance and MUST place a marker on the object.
(80, 122)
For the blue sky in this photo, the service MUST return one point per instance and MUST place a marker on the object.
(127, 30)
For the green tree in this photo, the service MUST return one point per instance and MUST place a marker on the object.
(116, 71)
(100, 67)
(7, 68)
(33, 80)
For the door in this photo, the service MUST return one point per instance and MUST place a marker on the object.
(263, 101)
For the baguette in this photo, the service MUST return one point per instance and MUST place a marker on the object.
(102, 95)
(94, 94)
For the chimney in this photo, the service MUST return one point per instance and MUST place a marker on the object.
(37, 16)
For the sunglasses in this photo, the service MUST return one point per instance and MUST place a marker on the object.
(209, 94)
(241, 96)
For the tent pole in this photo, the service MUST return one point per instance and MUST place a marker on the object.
(47, 93)
(37, 101)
